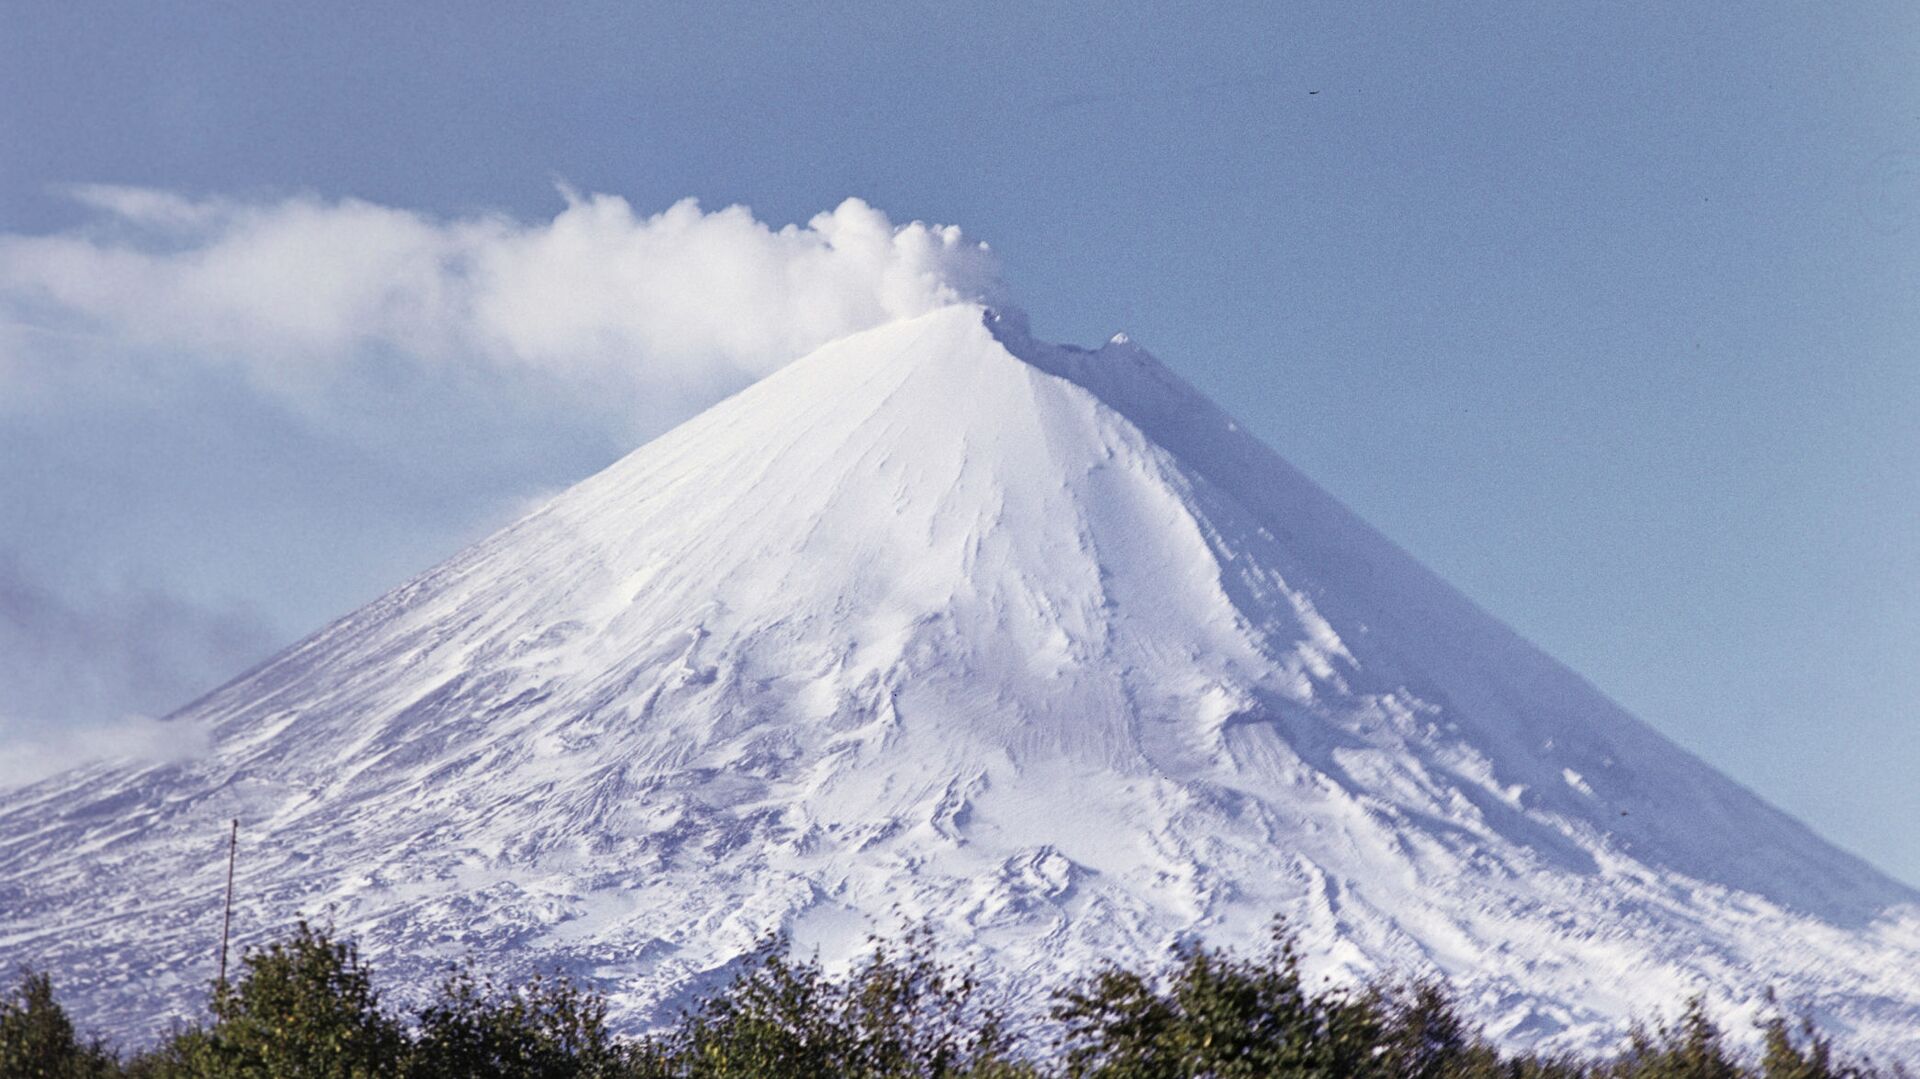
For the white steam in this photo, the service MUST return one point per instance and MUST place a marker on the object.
(30, 753)
(292, 290)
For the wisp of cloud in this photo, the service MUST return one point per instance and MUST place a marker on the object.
(289, 291)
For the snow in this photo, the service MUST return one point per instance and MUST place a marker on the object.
(943, 623)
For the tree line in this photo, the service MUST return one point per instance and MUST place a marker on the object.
(305, 1007)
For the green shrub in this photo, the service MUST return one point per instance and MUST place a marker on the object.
(547, 1029)
(1216, 1016)
(901, 1015)
(305, 1008)
(37, 1040)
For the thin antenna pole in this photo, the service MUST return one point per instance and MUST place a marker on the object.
(226, 920)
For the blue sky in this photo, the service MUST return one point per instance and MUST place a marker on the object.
(1610, 314)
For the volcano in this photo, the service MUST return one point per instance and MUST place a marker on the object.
(942, 624)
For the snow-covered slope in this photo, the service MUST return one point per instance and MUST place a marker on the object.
(941, 622)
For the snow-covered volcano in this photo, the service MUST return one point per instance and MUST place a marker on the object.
(943, 623)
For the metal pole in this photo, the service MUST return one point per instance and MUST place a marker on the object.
(226, 921)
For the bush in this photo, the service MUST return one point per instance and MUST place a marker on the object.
(1217, 1016)
(305, 1008)
(37, 1040)
(548, 1029)
(901, 1015)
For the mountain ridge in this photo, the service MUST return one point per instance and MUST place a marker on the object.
(1222, 437)
(941, 622)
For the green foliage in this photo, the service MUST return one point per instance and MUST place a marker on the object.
(37, 1040)
(187, 1054)
(1691, 1048)
(903, 1014)
(1423, 1036)
(305, 1008)
(775, 1017)
(1220, 1017)
(1801, 1054)
(1214, 1016)
(547, 1029)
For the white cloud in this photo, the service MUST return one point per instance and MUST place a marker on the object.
(29, 754)
(86, 652)
(295, 291)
